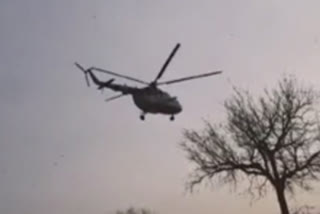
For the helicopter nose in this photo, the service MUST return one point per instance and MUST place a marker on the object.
(178, 107)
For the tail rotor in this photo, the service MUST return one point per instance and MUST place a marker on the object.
(85, 73)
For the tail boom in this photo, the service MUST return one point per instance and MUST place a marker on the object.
(108, 84)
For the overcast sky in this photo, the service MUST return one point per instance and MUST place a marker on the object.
(64, 150)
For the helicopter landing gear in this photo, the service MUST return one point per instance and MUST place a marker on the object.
(142, 116)
(172, 118)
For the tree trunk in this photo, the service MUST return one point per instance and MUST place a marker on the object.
(282, 200)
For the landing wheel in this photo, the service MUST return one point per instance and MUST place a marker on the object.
(142, 117)
(172, 118)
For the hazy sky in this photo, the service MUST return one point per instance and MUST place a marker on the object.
(64, 150)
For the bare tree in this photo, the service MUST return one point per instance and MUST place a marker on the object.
(304, 210)
(133, 210)
(271, 141)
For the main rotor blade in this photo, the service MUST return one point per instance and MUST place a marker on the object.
(114, 97)
(165, 65)
(120, 75)
(190, 78)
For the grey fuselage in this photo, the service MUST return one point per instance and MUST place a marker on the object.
(153, 100)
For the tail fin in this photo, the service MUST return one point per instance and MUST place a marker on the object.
(105, 84)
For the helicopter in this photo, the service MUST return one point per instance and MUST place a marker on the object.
(149, 99)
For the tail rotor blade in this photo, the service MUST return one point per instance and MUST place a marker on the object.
(85, 73)
(87, 79)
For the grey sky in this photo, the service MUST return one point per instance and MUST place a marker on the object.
(64, 150)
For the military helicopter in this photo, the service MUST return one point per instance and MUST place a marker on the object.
(149, 99)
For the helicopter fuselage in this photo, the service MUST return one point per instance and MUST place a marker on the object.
(155, 101)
